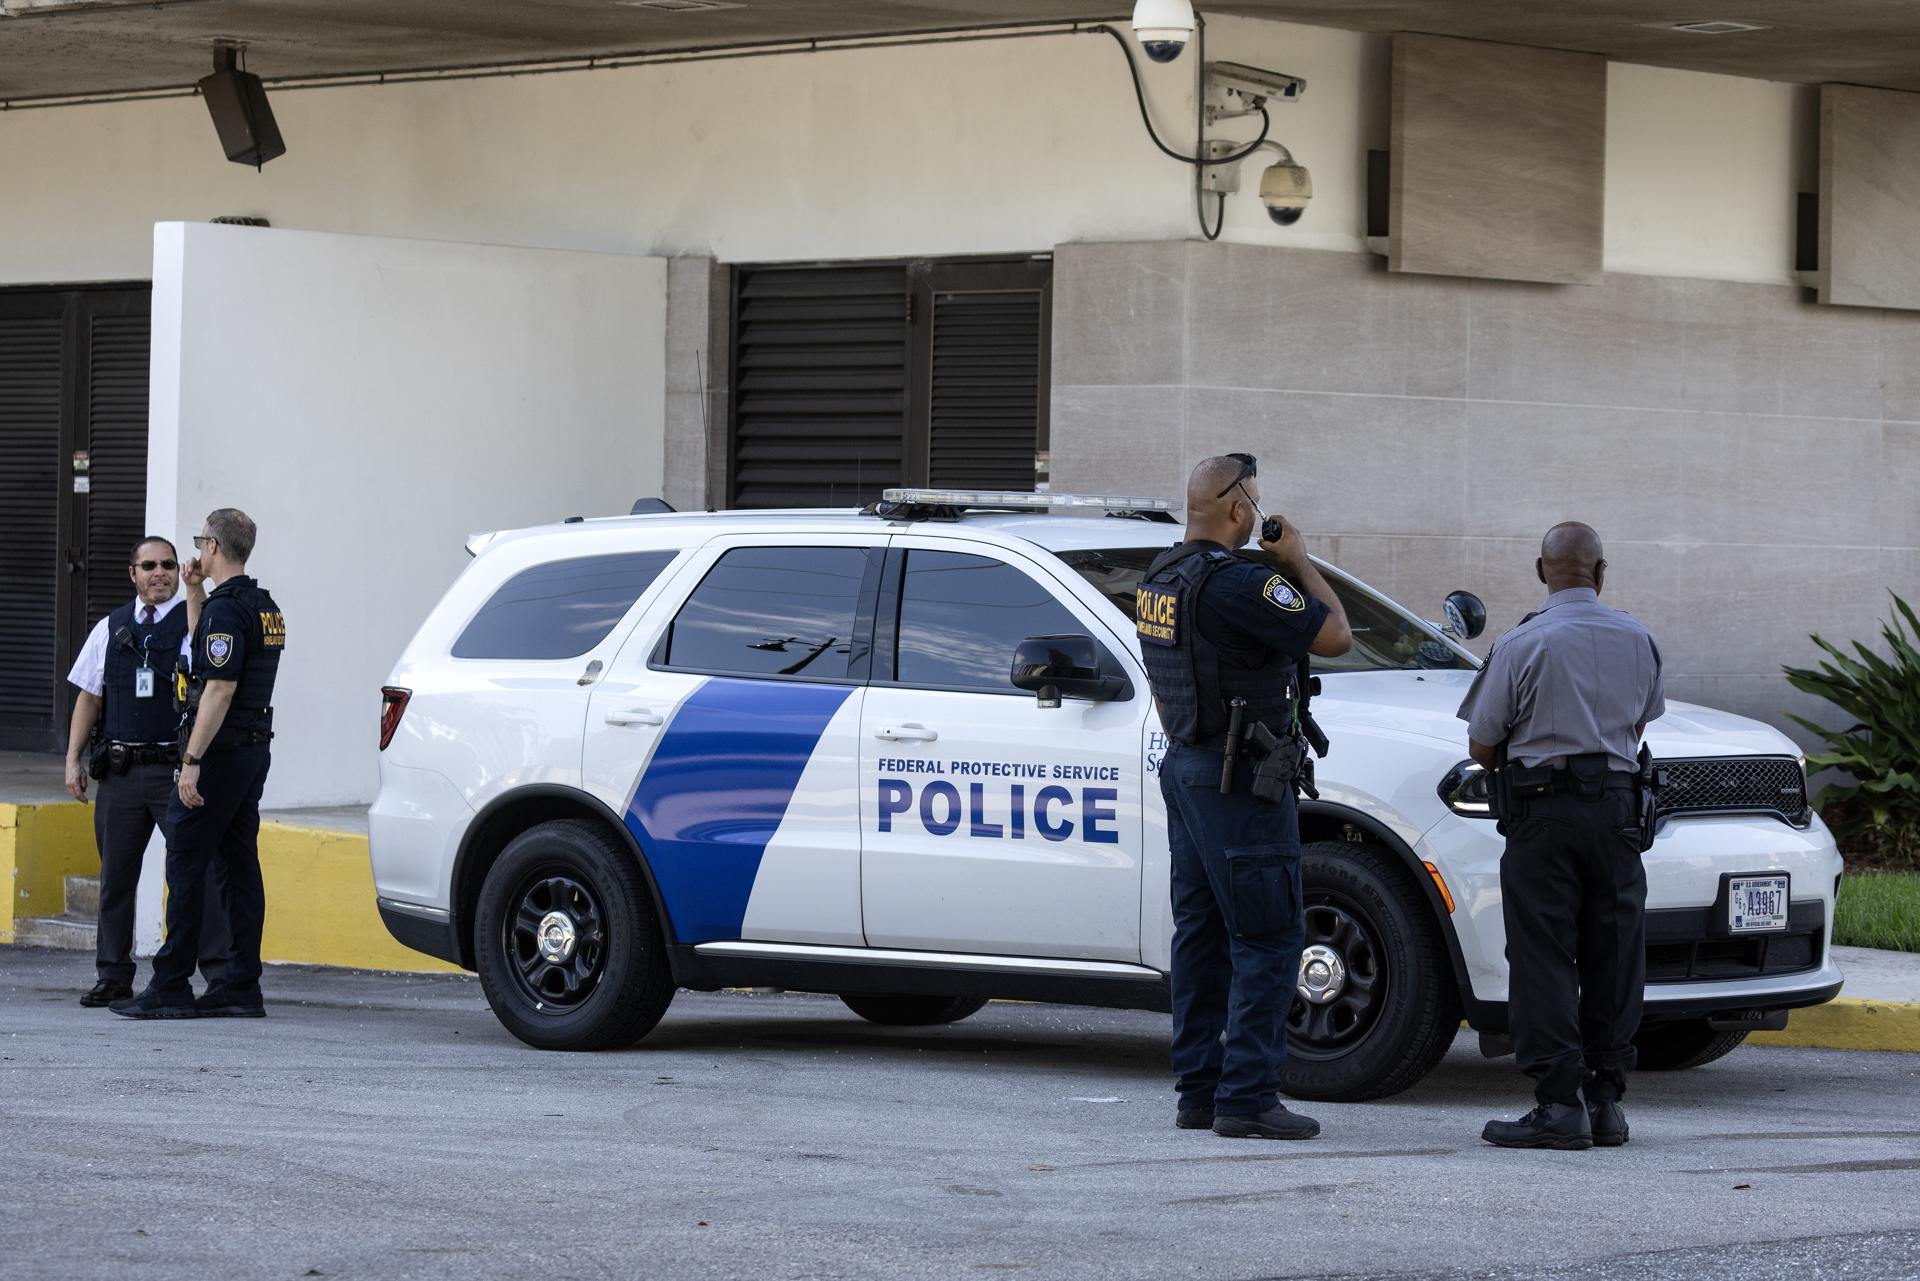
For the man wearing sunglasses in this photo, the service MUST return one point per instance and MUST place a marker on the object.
(1223, 636)
(214, 818)
(122, 733)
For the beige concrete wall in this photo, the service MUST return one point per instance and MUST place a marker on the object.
(1752, 460)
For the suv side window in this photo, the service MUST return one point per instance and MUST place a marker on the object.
(561, 609)
(772, 611)
(961, 617)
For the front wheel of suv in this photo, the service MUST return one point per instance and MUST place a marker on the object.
(1674, 1047)
(1376, 1007)
(568, 947)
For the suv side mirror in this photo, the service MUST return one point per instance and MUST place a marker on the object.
(1054, 665)
(1466, 615)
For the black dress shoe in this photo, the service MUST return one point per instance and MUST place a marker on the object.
(1560, 1126)
(157, 1005)
(1194, 1118)
(105, 992)
(225, 1001)
(1275, 1123)
(1608, 1121)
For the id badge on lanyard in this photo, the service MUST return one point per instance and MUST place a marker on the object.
(143, 682)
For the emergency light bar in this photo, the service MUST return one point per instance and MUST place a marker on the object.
(911, 503)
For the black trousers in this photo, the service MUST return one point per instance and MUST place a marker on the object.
(126, 809)
(1574, 896)
(223, 833)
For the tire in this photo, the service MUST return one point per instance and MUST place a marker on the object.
(1674, 1047)
(611, 983)
(1395, 1014)
(912, 1011)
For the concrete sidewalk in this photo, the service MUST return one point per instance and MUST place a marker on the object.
(1878, 1007)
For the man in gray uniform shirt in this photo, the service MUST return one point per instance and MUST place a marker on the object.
(1568, 692)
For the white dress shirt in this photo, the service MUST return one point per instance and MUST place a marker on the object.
(90, 669)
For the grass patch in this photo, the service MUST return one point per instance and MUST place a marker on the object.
(1879, 909)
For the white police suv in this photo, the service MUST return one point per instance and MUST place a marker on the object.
(795, 749)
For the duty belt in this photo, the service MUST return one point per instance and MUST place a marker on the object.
(148, 753)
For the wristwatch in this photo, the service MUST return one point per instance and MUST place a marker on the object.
(188, 758)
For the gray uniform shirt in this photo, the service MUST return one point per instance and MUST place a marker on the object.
(1575, 677)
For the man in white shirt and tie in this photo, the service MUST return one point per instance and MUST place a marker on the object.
(124, 734)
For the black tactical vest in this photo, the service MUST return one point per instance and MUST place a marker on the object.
(1193, 677)
(130, 646)
(250, 715)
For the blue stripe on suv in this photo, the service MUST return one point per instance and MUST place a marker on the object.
(716, 791)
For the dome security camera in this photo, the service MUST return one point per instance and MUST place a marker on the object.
(1163, 27)
(1285, 189)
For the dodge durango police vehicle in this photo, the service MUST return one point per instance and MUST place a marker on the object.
(907, 756)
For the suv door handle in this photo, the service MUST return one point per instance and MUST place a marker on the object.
(635, 716)
(905, 734)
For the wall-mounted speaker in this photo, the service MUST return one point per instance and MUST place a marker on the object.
(237, 101)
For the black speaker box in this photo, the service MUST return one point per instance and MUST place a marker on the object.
(237, 101)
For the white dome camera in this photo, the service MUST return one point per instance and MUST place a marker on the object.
(1163, 27)
(1285, 189)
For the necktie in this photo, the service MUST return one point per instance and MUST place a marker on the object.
(146, 616)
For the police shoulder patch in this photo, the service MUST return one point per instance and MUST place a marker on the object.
(1283, 595)
(219, 648)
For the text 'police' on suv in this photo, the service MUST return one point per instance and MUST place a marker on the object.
(784, 749)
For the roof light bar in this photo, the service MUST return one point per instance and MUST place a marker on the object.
(1021, 498)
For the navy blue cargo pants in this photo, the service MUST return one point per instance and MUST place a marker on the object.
(1238, 930)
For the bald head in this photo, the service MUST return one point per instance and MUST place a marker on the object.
(1225, 519)
(1571, 556)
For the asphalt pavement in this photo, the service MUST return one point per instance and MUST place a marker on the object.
(386, 1126)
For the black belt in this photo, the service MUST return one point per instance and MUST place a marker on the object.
(1218, 743)
(150, 753)
(1615, 780)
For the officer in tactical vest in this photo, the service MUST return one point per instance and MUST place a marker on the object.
(1556, 715)
(238, 636)
(1224, 636)
(122, 734)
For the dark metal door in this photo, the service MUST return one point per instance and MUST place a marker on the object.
(73, 484)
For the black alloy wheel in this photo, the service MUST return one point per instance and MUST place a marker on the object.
(1376, 1006)
(568, 942)
(557, 939)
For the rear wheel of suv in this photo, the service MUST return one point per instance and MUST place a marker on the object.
(1376, 1007)
(566, 941)
(912, 1011)
(1673, 1047)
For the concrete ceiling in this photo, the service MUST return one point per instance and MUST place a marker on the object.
(77, 47)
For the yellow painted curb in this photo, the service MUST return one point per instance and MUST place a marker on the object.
(40, 846)
(320, 903)
(1848, 1023)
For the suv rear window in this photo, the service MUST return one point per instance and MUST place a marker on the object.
(1384, 639)
(561, 609)
(772, 611)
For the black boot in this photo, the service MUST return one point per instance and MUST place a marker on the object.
(227, 1001)
(106, 992)
(1561, 1126)
(1275, 1123)
(1608, 1120)
(152, 1004)
(1194, 1118)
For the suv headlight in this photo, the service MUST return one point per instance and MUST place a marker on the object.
(1464, 790)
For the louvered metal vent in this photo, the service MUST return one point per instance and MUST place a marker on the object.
(117, 446)
(30, 377)
(820, 385)
(1737, 784)
(985, 389)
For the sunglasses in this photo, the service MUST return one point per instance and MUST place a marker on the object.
(148, 566)
(1248, 469)
(200, 540)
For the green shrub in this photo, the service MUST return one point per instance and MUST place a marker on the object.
(1880, 748)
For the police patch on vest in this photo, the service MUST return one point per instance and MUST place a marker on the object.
(1282, 594)
(219, 649)
(1156, 613)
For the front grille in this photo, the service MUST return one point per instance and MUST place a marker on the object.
(1683, 945)
(1735, 784)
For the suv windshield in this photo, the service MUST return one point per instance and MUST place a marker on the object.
(1384, 639)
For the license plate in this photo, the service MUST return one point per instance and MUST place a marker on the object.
(1757, 904)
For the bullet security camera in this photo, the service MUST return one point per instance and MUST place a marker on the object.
(1163, 27)
(1253, 82)
(1285, 189)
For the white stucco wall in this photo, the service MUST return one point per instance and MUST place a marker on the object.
(370, 402)
(997, 146)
